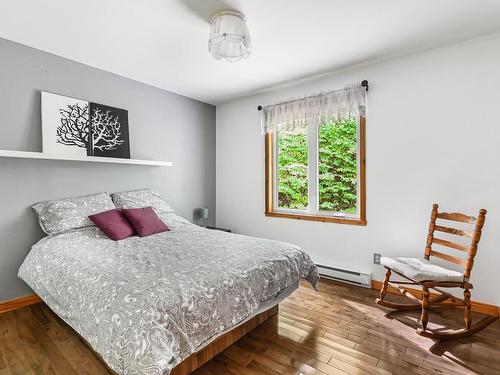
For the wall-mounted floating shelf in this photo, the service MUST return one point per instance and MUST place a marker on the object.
(92, 159)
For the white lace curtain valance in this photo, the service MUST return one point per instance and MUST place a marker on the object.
(311, 110)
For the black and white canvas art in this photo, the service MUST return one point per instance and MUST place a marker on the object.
(73, 127)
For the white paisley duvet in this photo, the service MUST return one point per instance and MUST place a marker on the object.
(145, 304)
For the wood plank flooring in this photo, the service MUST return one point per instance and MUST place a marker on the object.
(336, 331)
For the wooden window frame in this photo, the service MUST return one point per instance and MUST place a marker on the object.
(269, 182)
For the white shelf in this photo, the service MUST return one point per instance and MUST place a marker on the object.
(93, 159)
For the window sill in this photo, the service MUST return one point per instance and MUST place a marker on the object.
(324, 219)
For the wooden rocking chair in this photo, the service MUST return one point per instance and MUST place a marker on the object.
(430, 276)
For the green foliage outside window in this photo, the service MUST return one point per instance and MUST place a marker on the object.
(292, 170)
(337, 167)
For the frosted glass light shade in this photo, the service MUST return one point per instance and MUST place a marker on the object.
(229, 36)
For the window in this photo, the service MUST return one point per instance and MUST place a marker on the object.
(317, 172)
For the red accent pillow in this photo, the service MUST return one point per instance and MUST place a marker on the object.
(114, 224)
(145, 221)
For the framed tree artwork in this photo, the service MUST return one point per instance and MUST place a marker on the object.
(73, 127)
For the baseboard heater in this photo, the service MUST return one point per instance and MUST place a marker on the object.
(346, 276)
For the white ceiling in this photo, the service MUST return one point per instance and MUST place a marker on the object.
(164, 42)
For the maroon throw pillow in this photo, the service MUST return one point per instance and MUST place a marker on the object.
(145, 221)
(114, 224)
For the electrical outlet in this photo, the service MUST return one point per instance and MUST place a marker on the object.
(376, 258)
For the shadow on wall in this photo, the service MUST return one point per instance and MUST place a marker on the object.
(205, 9)
(27, 224)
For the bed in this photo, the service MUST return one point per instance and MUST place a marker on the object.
(153, 305)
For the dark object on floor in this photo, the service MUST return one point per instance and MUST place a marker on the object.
(217, 228)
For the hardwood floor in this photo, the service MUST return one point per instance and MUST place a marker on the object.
(336, 331)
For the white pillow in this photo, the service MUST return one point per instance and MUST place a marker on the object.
(141, 198)
(61, 215)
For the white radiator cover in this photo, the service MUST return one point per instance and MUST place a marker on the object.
(346, 276)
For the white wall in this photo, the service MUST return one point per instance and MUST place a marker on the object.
(433, 135)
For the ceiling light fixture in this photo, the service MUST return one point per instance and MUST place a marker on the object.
(229, 36)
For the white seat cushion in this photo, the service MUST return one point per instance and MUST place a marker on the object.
(421, 269)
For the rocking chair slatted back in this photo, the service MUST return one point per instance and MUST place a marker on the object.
(457, 232)
(456, 216)
(470, 249)
(453, 245)
(448, 258)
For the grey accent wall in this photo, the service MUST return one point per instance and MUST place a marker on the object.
(163, 126)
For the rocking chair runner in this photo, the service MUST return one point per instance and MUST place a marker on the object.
(429, 276)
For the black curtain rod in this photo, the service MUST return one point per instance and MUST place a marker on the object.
(364, 83)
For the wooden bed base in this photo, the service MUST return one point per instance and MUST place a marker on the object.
(217, 346)
(198, 359)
